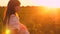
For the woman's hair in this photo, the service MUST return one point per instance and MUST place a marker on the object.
(10, 9)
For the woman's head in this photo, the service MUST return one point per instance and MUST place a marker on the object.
(12, 7)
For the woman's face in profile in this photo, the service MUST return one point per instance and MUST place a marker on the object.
(17, 8)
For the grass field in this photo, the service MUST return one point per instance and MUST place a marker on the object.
(36, 21)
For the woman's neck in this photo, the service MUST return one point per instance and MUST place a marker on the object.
(17, 14)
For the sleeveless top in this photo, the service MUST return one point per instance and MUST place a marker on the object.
(14, 22)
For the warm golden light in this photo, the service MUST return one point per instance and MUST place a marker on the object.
(7, 31)
(47, 10)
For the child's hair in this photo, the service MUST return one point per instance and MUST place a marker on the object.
(10, 9)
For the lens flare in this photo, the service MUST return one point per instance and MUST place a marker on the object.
(7, 31)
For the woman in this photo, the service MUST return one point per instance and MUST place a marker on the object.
(11, 19)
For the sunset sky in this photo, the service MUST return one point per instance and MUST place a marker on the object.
(49, 3)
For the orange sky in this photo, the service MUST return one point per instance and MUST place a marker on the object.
(49, 3)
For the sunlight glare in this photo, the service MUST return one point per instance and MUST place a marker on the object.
(48, 3)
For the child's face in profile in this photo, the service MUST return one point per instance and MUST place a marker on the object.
(17, 8)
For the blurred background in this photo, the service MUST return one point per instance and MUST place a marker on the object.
(40, 17)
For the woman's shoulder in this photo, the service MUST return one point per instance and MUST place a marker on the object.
(12, 15)
(15, 15)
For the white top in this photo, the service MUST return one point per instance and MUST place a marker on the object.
(14, 22)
